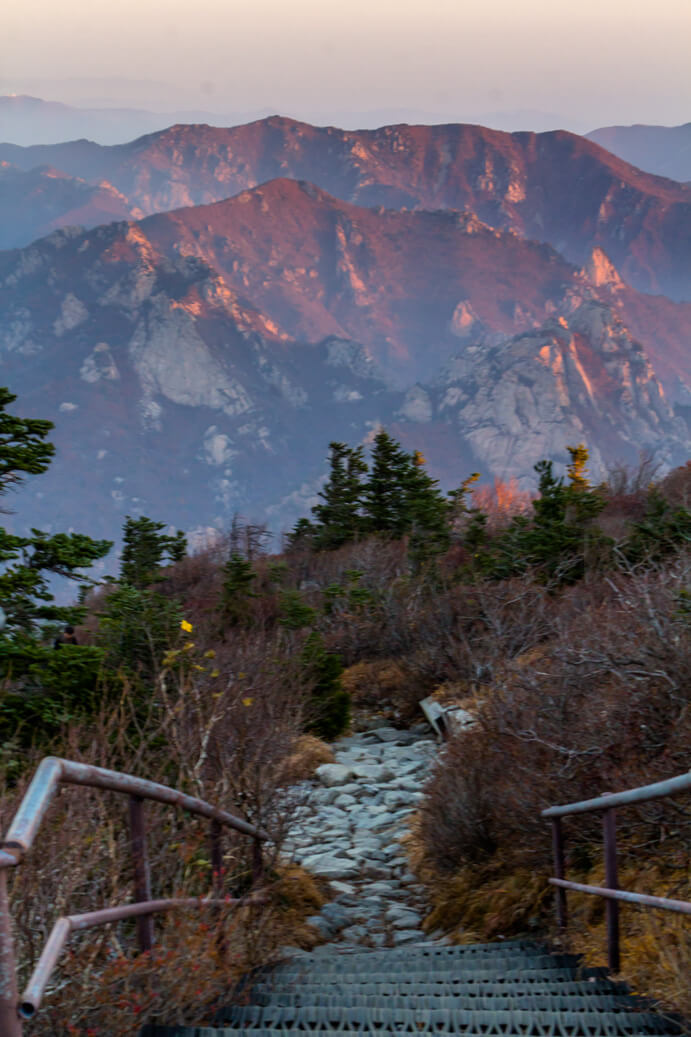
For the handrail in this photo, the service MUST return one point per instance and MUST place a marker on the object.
(64, 927)
(642, 794)
(21, 835)
(608, 803)
(53, 770)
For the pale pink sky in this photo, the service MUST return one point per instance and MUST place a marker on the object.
(595, 61)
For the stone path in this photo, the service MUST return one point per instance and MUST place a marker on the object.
(349, 831)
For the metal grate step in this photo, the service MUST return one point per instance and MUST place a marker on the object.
(548, 1001)
(449, 1021)
(448, 987)
(362, 965)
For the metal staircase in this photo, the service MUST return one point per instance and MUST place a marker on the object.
(506, 988)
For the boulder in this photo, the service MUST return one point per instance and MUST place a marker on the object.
(331, 774)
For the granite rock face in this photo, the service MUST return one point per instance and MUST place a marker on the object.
(198, 363)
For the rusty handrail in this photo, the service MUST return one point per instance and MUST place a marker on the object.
(642, 794)
(31, 999)
(53, 770)
(50, 774)
(608, 803)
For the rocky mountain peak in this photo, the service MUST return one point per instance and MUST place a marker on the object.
(600, 270)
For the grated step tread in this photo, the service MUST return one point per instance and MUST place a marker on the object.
(444, 988)
(534, 1002)
(439, 1020)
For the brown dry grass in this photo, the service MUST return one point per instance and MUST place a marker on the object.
(308, 754)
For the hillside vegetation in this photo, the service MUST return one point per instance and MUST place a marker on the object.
(563, 623)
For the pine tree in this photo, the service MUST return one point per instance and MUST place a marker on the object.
(339, 518)
(144, 548)
(237, 590)
(385, 499)
(427, 512)
(27, 561)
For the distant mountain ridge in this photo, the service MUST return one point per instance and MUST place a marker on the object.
(26, 120)
(555, 187)
(663, 150)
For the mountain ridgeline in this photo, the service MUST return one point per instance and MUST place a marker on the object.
(479, 293)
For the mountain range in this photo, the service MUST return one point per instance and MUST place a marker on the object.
(665, 150)
(198, 362)
(478, 293)
(555, 187)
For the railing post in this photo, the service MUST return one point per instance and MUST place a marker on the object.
(257, 863)
(609, 825)
(217, 882)
(558, 853)
(142, 875)
(10, 1023)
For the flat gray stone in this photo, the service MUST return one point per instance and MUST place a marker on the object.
(355, 934)
(344, 800)
(333, 867)
(331, 774)
(387, 734)
(336, 915)
(373, 870)
(401, 936)
(369, 854)
(374, 773)
(342, 888)
(322, 925)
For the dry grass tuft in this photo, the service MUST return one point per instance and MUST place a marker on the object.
(308, 754)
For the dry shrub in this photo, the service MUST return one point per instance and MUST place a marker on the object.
(676, 487)
(308, 754)
(386, 685)
(603, 704)
(296, 896)
(655, 945)
(217, 726)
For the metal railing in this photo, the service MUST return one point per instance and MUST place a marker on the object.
(608, 804)
(50, 774)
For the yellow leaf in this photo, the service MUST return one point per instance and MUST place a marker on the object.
(210, 654)
(247, 702)
(215, 673)
(241, 675)
(187, 627)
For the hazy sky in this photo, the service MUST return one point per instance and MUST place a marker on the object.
(593, 61)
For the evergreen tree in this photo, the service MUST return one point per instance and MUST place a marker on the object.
(328, 707)
(28, 561)
(339, 518)
(385, 498)
(47, 688)
(237, 590)
(562, 534)
(427, 513)
(24, 449)
(144, 547)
